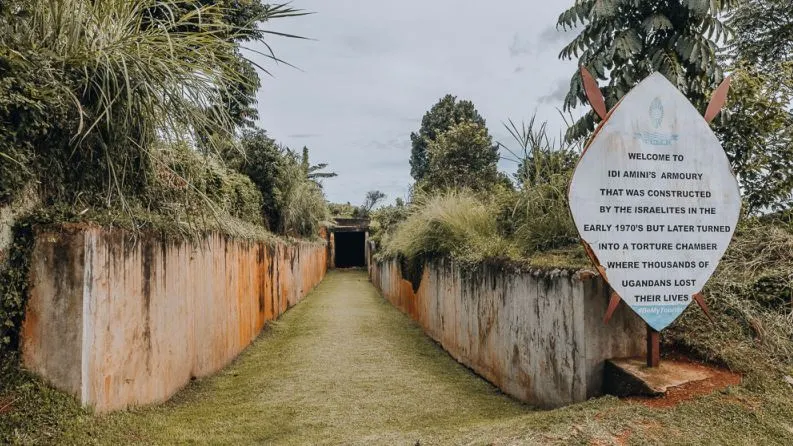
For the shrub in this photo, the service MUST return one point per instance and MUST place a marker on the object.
(455, 223)
(293, 201)
(385, 221)
(304, 208)
(538, 217)
(188, 183)
(753, 328)
(263, 161)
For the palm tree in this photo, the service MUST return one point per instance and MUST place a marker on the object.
(314, 173)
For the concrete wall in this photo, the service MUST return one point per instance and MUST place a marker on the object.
(537, 336)
(119, 322)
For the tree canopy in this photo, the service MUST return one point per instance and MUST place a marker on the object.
(447, 112)
(372, 198)
(623, 42)
(757, 128)
(763, 33)
(464, 156)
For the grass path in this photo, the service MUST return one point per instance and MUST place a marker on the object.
(345, 367)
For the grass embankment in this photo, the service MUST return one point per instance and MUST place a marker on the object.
(345, 367)
(525, 229)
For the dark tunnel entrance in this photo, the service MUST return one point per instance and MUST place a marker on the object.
(350, 249)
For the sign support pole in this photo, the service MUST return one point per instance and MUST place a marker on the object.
(653, 347)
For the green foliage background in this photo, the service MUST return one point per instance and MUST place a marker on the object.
(446, 113)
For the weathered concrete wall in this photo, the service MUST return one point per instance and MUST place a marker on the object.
(120, 322)
(537, 336)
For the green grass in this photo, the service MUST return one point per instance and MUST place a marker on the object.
(345, 367)
(526, 228)
(454, 223)
(31, 412)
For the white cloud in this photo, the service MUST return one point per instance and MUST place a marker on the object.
(375, 68)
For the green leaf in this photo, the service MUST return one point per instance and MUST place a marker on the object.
(627, 44)
(657, 22)
(698, 7)
(603, 9)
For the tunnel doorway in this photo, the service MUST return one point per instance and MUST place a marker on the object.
(350, 249)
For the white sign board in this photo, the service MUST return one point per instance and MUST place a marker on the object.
(656, 201)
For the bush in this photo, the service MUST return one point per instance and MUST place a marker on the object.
(753, 330)
(305, 209)
(385, 221)
(538, 217)
(188, 183)
(263, 161)
(455, 223)
(344, 210)
(293, 203)
(88, 90)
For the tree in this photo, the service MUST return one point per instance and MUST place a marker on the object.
(314, 173)
(443, 115)
(372, 198)
(763, 33)
(757, 134)
(462, 157)
(757, 128)
(623, 42)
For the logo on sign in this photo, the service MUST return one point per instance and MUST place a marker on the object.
(657, 112)
(659, 139)
(657, 225)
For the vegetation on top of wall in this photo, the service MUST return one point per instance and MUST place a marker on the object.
(83, 75)
(456, 223)
(118, 112)
(293, 201)
(751, 299)
(495, 221)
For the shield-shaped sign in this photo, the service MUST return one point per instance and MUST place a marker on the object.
(655, 201)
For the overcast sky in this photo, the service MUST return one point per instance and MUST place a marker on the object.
(374, 67)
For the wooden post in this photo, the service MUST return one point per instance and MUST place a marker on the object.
(653, 347)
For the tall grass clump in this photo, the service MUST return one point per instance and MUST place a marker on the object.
(90, 86)
(305, 209)
(456, 223)
(538, 217)
(751, 298)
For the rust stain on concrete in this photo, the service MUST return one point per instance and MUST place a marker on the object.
(118, 323)
(535, 335)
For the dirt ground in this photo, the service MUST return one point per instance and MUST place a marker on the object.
(345, 367)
